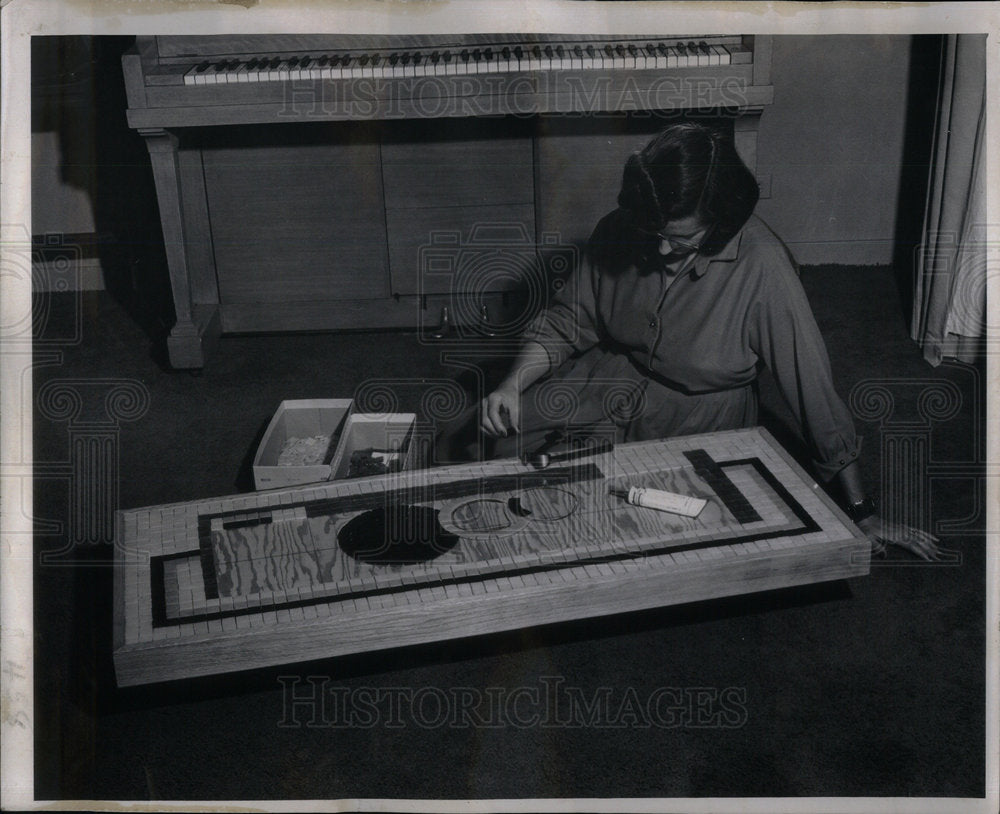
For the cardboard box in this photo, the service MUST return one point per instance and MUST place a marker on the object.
(380, 431)
(300, 418)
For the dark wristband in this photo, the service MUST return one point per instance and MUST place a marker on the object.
(861, 510)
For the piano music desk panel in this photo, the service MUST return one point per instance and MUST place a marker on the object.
(271, 578)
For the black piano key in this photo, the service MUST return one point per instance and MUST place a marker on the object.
(306, 61)
(405, 59)
(252, 64)
(560, 52)
(204, 66)
(488, 54)
(393, 59)
(505, 53)
(578, 52)
(590, 51)
(662, 49)
(548, 51)
(274, 63)
(435, 57)
(376, 60)
(620, 50)
(417, 59)
(293, 62)
(465, 55)
(346, 60)
(363, 60)
(220, 66)
(477, 54)
(324, 61)
(518, 52)
(536, 52)
(632, 51)
(446, 56)
(609, 50)
(703, 47)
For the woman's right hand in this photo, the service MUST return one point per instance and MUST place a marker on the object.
(500, 411)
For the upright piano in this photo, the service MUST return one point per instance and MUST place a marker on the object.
(324, 182)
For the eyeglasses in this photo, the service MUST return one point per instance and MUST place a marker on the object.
(681, 244)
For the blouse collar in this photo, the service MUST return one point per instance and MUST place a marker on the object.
(730, 252)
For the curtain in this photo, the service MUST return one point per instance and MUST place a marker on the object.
(949, 304)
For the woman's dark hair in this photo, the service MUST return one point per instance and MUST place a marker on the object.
(689, 169)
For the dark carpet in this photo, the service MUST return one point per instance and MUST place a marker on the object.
(867, 687)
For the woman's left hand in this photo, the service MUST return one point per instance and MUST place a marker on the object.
(880, 532)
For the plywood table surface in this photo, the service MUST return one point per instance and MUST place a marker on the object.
(308, 572)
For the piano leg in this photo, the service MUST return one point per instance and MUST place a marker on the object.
(198, 325)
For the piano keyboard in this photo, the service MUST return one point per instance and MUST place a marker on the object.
(467, 61)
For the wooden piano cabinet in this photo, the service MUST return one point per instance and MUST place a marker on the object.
(280, 215)
(297, 216)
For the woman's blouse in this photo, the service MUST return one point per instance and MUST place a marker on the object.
(707, 328)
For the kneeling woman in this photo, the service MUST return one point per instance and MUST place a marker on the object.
(681, 294)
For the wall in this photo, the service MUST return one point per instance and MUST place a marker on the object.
(832, 143)
(62, 163)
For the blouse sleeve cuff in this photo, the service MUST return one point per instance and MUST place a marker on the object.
(831, 467)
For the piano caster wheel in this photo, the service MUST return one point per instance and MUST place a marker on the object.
(445, 327)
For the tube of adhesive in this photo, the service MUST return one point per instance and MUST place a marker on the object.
(662, 501)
